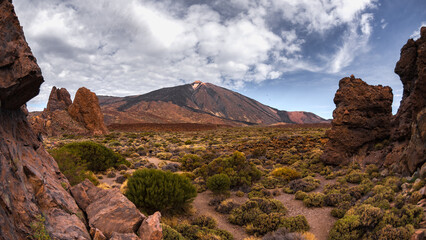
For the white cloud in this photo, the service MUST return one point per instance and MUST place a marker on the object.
(131, 47)
(416, 33)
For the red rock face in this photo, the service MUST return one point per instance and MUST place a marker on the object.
(361, 118)
(85, 109)
(59, 99)
(411, 68)
(20, 76)
(409, 130)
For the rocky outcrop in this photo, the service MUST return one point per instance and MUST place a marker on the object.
(32, 189)
(20, 76)
(85, 109)
(59, 99)
(112, 215)
(57, 118)
(361, 119)
(408, 125)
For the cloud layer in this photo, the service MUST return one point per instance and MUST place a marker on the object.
(131, 47)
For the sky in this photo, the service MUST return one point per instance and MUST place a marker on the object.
(288, 54)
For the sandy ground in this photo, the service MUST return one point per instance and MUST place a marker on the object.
(201, 205)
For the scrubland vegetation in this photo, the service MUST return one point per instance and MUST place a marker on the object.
(245, 169)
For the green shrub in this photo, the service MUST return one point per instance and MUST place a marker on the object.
(300, 195)
(259, 215)
(286, 173)
(314, 200)
(190, 162)
(164, 155)
(194, 232)
(369, 216)
(204, 221)
(306, 184)
(355, 176)
(226, 206)
(155, 190)
(170, 233)
(71, 165)
(295, 224)
(93, 156)
(240, 171)
(38, 228)
(346, 228)
(400, 233)
(334, 198)
(219, 183)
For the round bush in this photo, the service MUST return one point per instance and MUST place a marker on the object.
(314, 200)
(219, 183)
(155, 190)
(170, 233)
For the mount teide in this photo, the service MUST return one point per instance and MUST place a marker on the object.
(197, 103)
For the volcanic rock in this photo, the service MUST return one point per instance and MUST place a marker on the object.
(107, 209)
(361, 119)
(408, 125)
(31, 185)
(19, 73)
(151, 228)
(59, 99)
(85, 109)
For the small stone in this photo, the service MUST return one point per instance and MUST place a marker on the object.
(384, 172)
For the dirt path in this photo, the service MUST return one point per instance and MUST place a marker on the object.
(201, 205)
(319, 219)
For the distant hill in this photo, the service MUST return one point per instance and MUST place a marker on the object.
(198, 102)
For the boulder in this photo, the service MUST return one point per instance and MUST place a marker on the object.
(361, 119)
(20, 76)
(151, 228)
(85, 109)
(31, 185)
(59, 99)
(124, 236)
(107, 209)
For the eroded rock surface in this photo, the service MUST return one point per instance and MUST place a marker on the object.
(151, 228)
(361, 119)
(408, 132)
(20, 76)
(31, 186)
(85, 109)
(56, 119)
(59, 99)
(107, 210)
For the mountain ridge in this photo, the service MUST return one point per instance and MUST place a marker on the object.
(198, 102)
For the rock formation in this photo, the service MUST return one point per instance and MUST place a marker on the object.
(408, 125)
(64, 117)
(19, 73)
(85, 109)
(59, 99)
(32, 187)
(112, 215)
(361, 119)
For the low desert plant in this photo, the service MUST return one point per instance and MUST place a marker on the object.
(314, 200)
(155, 190)
(219, 183)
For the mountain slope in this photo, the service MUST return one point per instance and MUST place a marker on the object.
(197, 103)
